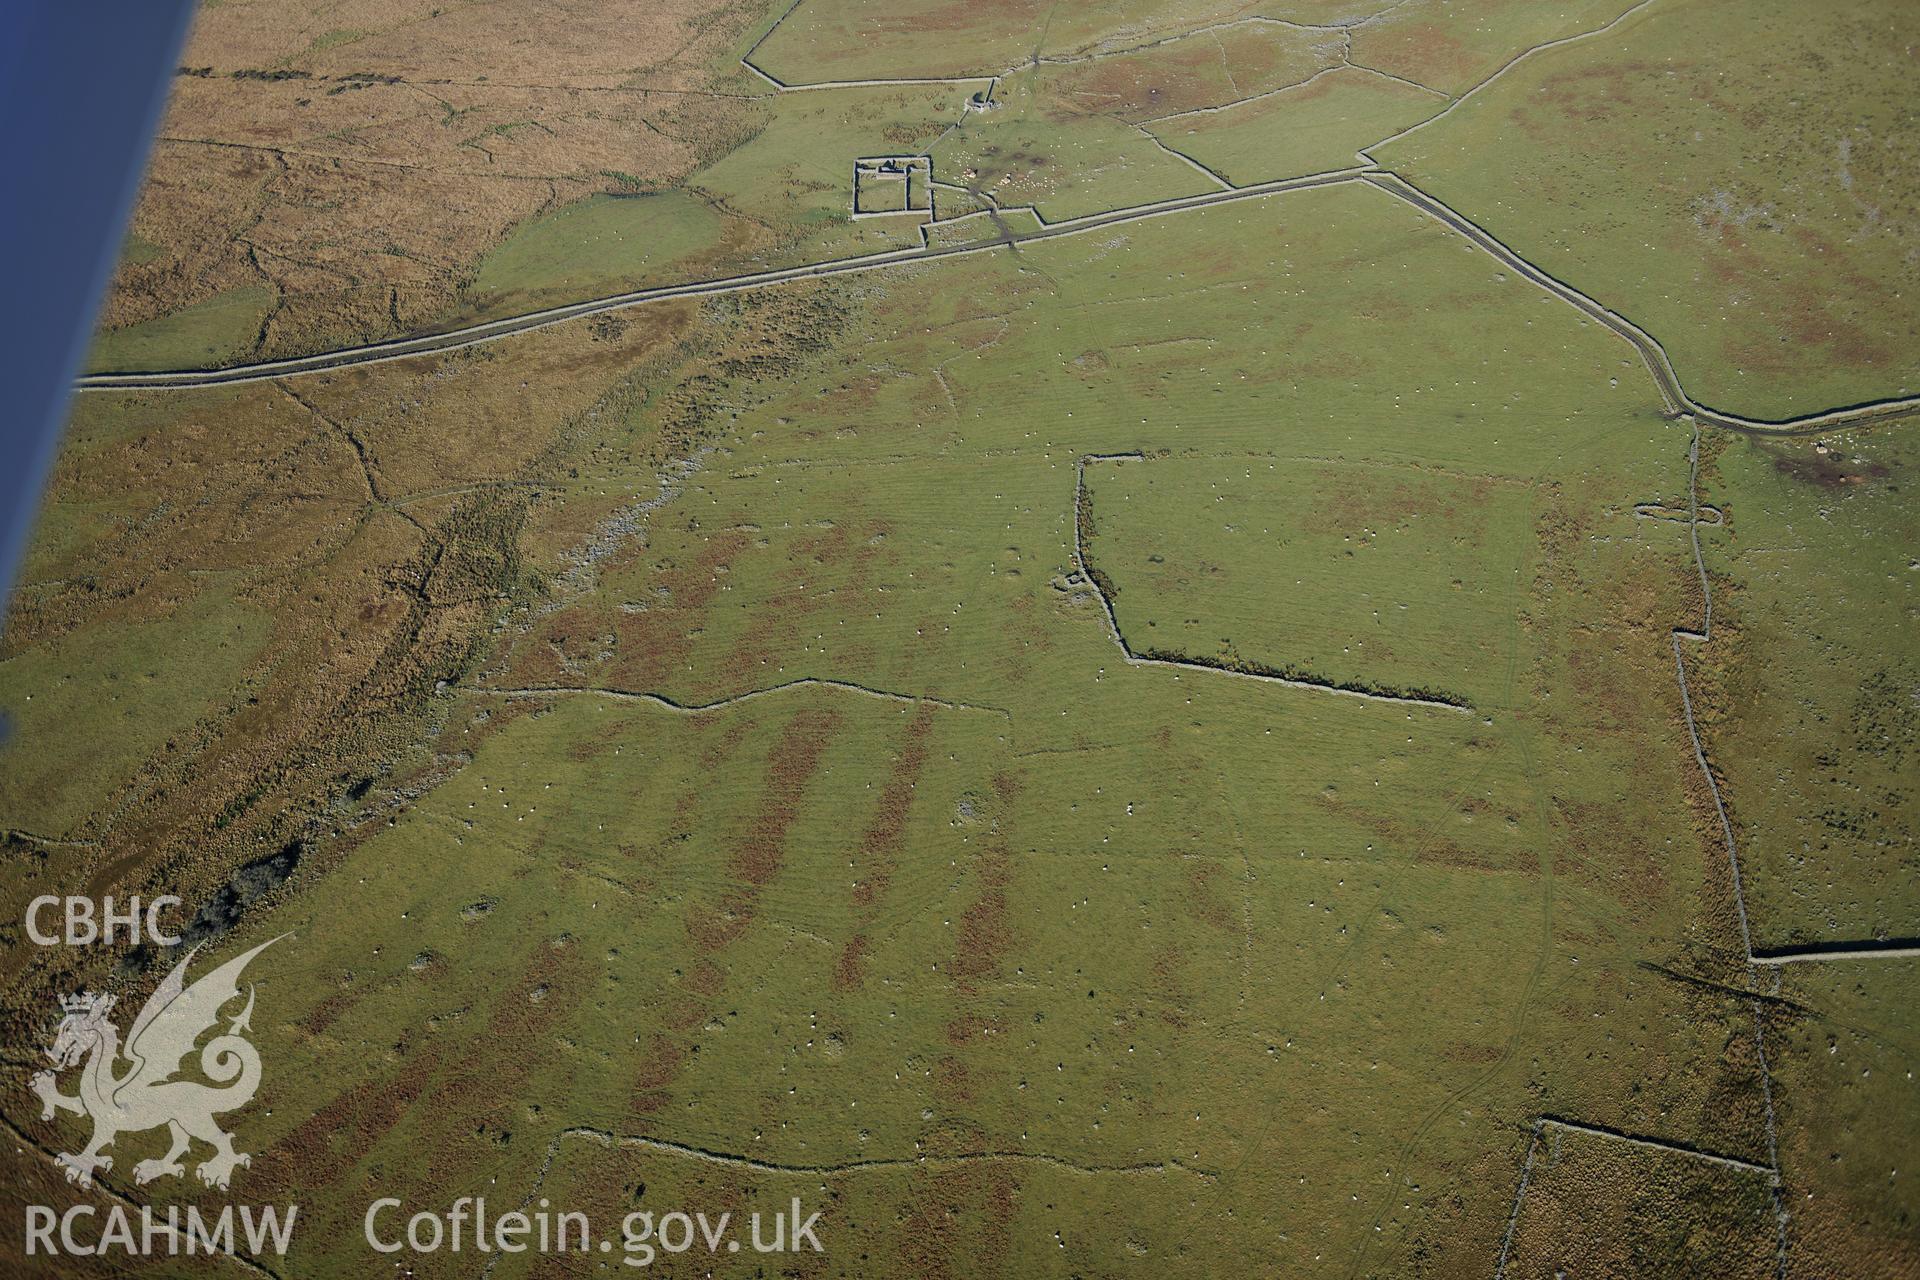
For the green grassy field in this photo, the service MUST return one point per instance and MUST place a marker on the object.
(1455, 45)
(1362, 576)
(597, 247)
(779, 198)
(1316, 127)
(203, 336)
(1149, 938)
(1847, 1100)
(701, 774)
(1219, 65)
(111, 699)
(1815, 727)
(1666, 196)
(1064, 168)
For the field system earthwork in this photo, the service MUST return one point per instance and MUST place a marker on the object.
(1184, 638)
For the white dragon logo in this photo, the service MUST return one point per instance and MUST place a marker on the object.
(145, 1095)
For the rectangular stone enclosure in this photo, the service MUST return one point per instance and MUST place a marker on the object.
(893, 187)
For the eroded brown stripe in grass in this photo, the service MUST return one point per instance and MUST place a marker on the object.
(791, 766)
(880, 847)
